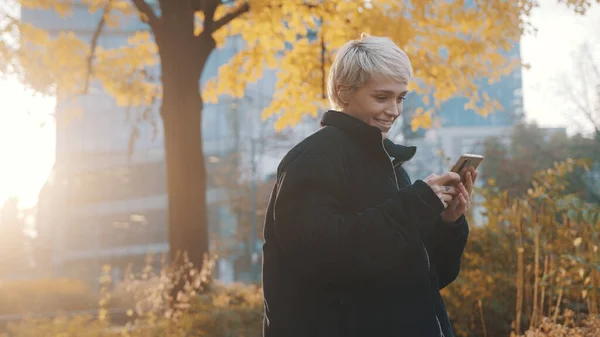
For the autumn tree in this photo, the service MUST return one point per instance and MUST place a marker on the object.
(452, 44)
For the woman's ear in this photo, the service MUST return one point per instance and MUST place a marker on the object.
(343, 95)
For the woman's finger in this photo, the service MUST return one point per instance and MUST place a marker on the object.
(474, 175)
(450, 190)
(469, 181)
(464, 203)
(447, 197)
(467, 203)
(442, 199)
(463, 190)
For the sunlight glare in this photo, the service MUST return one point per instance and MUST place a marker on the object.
(27, 143)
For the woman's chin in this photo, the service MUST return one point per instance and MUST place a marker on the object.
(384, 131)
(381, 128)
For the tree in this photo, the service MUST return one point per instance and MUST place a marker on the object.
(452, 45)
(241, 175)
(511, 167)
(580, 88)
(581, 93)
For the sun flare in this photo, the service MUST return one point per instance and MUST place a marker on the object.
(27, 143)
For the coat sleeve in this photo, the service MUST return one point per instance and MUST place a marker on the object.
(450, 245)
(324, 245)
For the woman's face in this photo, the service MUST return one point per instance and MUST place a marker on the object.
(378, 102)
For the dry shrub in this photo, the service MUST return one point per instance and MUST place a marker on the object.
(529, 256)
(201, 308)
(589, 327)
(233, 310)
(34, 296)
(78, 326)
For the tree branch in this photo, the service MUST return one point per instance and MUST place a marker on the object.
(145, 9)
(94, 44)
(209, 15)
(587, 72)
(227, 18)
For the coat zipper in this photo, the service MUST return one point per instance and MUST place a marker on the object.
(391, 162)
(398, 187)
(424, 248)
(439, 326)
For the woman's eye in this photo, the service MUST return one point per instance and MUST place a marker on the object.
(400, 99)
(381, 98)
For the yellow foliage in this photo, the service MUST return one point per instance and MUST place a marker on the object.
(421, 119)
(472, 40)
(62, 7)
(451, 46)
(124, 7)
(124, 70)
(53, 63)
(246, 67)
(57, 63)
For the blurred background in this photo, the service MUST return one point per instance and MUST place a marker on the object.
(85, 229)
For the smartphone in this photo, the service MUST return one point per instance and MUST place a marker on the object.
(466, 160)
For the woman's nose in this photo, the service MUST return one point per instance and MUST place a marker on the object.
(394, 111)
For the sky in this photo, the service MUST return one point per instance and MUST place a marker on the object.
(552, 54)
(27, 132)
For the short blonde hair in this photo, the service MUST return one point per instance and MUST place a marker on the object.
(359, 60)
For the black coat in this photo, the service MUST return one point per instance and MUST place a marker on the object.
(352, 247)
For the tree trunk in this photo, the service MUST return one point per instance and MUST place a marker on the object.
(183, 57)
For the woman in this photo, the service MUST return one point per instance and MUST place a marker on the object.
(352, 247)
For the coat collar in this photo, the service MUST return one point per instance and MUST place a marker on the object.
(367, 134)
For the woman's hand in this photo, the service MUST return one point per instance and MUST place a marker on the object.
(462, 202)
(443, 186)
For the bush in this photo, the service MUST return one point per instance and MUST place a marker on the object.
(45, 295)
(590, 327)
(224, 311)
(235, 310)
(79, 326)
(529, 256)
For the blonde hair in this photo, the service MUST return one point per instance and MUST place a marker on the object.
(359, 60)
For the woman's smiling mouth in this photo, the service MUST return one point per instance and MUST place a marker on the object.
(384, 123)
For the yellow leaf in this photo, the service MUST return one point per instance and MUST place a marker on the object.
(421, 121)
